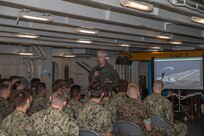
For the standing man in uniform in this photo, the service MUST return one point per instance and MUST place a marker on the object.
(104, 72)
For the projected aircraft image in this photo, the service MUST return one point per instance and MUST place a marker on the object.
(180, 73)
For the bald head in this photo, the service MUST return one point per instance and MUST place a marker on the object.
(133, 91)
(158, 86)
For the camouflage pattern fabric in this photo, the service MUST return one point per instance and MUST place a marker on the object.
(105, 72)
(95, 117)
(17, 124)
(53, 122)
(38, 104)
(5, 107)
(1, 120)
(159, 106)
(119, 98)
(76, 106)
(2, 133)
(134, 111)
(111, 106)
(69, 111)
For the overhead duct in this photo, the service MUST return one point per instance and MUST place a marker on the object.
(188, 4)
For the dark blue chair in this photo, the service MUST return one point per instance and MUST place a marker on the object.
(158, 122)
(125, 128)
(87, 133)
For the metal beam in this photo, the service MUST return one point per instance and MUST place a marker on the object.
(84, 11)
(31, 42)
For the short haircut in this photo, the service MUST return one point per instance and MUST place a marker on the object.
(158, 84)
(69, 82)
(101, 52)
(122, 85)
(5, 80)
(96, 89)
(133, 89)
(33, 82)
(21, 97)
(58, 84)
(25, 82)
(59, 97)
(107, 89)
(15, 85)
(11, 78)
(40, 87)
(75, 91)
(3, 86)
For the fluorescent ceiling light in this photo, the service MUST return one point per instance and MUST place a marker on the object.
(197, 19)
(36, 18)
(84, 41)
(69, 56)
(87, 31)
(137, 5)
(156, 48)
(176, 42)
(25, 53)
(125, 45)
(163, 36)
(26, 35)
(107, 58)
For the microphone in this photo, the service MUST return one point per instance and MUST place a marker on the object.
(162, 75)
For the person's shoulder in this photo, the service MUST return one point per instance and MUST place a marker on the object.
(108, 65)
(39, 114)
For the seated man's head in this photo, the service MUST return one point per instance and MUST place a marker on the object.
(13, 79)
(5, 89)
(34, 82)
(75, 92)
(122, 86)
(62, 83)
(107, 90)
(59, 98)
(22, 100)
(158, 86)
(40, 89)
(133, 91)
(96, 91)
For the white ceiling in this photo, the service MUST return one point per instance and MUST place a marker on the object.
(116, 24)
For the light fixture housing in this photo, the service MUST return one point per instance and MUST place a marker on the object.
(27, 35)
(38, 18)
(199, 20)
(163, 36)
(69, 56)
(25, 53)
(176, 42)
(84, 41)
(137, 5)
(125, 45)
(87, 31)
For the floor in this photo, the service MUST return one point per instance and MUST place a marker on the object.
(196, 127)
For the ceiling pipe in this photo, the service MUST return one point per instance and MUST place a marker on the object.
(171, 4)
(185, 4)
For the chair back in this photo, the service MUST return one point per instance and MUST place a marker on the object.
(158, 122)
(125, 128)
(87, 133)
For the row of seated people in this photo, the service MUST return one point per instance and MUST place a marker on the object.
(65, 112)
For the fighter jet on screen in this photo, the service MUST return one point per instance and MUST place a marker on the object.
(167, 68)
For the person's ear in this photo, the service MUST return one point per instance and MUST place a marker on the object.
(64, 103)
(102, 95)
